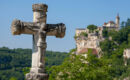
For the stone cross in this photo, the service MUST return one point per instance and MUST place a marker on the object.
(40, 30)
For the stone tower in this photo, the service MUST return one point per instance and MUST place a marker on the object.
(118, 21)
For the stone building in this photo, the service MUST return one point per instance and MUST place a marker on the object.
(93, 39)
(84, 43)
(112, 25)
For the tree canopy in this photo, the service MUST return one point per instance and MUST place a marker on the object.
(92, 27)
(109, 67)
(15, 63)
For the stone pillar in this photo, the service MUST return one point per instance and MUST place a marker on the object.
(37, 71)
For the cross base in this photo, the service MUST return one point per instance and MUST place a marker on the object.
(37, 70)
(37, 76)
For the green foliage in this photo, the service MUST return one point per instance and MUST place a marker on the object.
(109, 67)
(125, 23)
(108, 46)
(84, 34)
(13, 78)
(113, 51)
(92, 27)
(26, 70)
(122, 35)
(15, 63)
(105, 33)
(78, 67)
(122, 24)
(75, 37)
(73, 50)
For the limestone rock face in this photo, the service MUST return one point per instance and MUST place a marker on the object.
(94, 38)
(91, 41)
(126, 56)
(126, 53)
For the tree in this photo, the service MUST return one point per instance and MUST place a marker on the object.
(78, 67)
(128, 22)
(105, 33)
(15, 63)
(83, 34)
(13, 78)
(122, 24)
(110, 66)
(92, 27)
(125, 23)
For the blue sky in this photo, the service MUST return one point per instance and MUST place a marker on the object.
(74, 13)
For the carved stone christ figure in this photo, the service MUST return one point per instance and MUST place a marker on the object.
(40, 30)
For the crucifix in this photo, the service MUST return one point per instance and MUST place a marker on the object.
(40, 30)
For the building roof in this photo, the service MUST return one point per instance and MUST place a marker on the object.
(84, 50)
(112, 22)
(105, 23)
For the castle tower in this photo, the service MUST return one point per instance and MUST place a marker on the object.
(118, 21)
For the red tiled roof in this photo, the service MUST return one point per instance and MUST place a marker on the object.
(111, 22)
(84, 50)
(94, 51)
(105, 23)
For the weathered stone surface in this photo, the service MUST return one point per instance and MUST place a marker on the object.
(40, 30)
(18, 27)
(37, 76)
(88, 42)
(93, 39)
(126, 55)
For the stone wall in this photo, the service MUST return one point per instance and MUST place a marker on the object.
(126, 56)
(92, 41)
(126, 53)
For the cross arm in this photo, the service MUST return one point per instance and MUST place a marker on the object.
(56, 29)
(18, 27)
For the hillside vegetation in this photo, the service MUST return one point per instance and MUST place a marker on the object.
(14, 63)
(109, 67)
